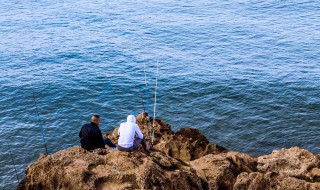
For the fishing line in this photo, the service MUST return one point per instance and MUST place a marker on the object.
(142, 98)
(146, 100)
(146, 103)
(14, 165)
(39, 122)
(145, 107)
(155, 103)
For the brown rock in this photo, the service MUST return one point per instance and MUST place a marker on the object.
(185, 145)
(76, 168)
(271, 181)
(181, 160)
(293, 162)
(290, 169)
(315, 174)
(221, 170)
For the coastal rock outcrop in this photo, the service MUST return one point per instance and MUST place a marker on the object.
(78, 169)
(294, 162)
(220, 171)
(186, 144)
(180, 160)
(291, 169)
(271, 181)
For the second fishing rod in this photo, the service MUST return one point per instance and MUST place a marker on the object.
(151, 121)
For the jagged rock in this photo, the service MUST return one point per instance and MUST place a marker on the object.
(221, 170)
(271, 181)
(78, 169)
(186, 144)
(162, 130)
(293, 162)
(292, 169)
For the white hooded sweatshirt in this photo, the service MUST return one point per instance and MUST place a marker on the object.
(127, 131)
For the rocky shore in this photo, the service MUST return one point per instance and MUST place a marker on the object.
(182, 160)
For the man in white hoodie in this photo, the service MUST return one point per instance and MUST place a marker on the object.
(126, 133)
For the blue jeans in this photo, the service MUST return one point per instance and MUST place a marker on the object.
(108, 142)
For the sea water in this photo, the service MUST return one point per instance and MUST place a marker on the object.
(245, 73)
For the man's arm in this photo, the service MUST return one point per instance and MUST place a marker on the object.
(138, 131)
(99, 140)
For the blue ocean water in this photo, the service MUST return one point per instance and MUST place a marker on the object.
(245, 73)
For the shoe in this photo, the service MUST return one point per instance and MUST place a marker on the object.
(114, 148)
(148, 148)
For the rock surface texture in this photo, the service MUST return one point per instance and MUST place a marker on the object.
(181, 160)
(78, 169)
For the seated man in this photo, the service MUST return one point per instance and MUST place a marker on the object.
(126, 133)
(91, 137)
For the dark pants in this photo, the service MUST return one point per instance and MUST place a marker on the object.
(108, 142)
(135, 145)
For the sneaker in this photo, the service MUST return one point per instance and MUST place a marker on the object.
(114, 148)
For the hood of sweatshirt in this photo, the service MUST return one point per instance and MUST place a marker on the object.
(131, 119)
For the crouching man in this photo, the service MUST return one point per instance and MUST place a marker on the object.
(127, 141)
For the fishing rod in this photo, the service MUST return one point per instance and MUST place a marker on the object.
(150, 127)
(145, 103)
(39, 122)
(155, 104)
(146, 88)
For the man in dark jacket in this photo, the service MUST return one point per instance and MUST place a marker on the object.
(91, 136)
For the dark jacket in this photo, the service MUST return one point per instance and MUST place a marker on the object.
(91, 137)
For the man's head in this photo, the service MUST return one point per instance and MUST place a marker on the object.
(95, 119)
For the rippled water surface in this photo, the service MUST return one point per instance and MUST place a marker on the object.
(245, 73)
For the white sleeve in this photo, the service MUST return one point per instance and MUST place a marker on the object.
(140, 135)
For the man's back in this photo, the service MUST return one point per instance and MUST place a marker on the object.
(127, 132)
(91, 137)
